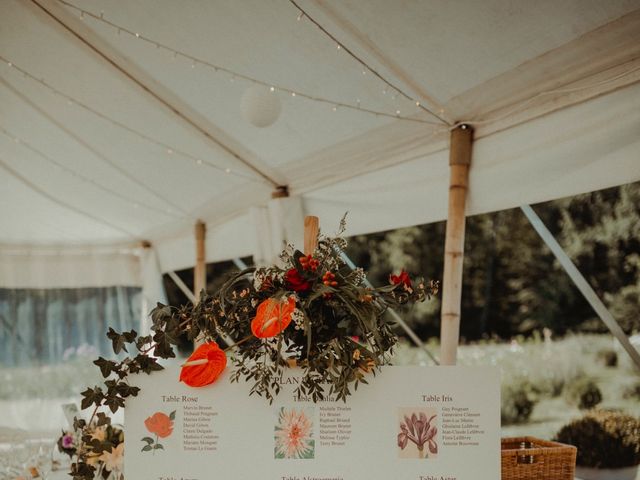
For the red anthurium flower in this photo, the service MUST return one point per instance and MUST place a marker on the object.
(272, 317)
(206, 372)
(295, 281)
(403, 279)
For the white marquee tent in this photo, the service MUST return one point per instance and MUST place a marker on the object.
(121, 123)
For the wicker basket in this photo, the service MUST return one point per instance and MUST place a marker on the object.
(529, 458)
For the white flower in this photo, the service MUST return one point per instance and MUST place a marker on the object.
(297, 317)
(294, 434)
(113, 460)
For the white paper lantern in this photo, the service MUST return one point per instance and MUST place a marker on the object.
(260, 106)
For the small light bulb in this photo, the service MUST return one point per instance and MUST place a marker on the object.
(169, 151)
(397, 112)
(339, 47)
(273, 89)
(300, 16)
(199, 162)
(364, 72)
(137, 35)
(417, 104)
(334, 108)
(193, 64)
(227, 170)
(293, 94)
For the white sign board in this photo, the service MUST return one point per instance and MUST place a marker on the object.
(418, 423)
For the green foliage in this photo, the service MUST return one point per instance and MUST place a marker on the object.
(512, 284)
(518, 400)
(632, 391)
(605, 439)
(583, 393)
(607, 357)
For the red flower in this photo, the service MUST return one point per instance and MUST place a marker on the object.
(206, 372)
(402, 279)
(160, 424)
(295, 281)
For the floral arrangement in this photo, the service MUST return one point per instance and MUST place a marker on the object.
(313, 312)
(100, 446)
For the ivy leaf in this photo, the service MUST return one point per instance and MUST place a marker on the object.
(147, 364)
(149, 440)
(106, 366)
(157, 446)
(91, 396)
(82, 471)
(102, 419)
(79, 423)
(118, 340)
(146, 448)
(172, 415)
(114, 402)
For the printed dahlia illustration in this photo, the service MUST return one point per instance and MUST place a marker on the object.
(294, 434)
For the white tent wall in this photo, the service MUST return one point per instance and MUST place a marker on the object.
(39, 267)
(152, 286)
(275, 225)
(587, 147)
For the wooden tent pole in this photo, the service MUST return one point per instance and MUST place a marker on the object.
(311, 228)
(200, 270)
(459, 162)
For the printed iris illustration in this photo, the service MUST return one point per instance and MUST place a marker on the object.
(419, 430)
(294, 434)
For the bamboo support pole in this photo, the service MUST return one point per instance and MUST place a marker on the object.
(311, 229)
(459, 162)
(200, 270)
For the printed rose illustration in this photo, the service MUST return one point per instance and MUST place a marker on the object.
(161, 425)
(294, 434)
(419, 428)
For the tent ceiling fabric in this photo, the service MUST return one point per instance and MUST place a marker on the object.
(552, 86)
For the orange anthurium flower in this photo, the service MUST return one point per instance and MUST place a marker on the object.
(204, 373)
(272, 317)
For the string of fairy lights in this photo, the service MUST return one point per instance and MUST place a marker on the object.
(304, 14)
(135, 203)
(169, 150)
(392, 91)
